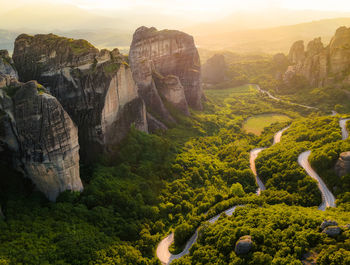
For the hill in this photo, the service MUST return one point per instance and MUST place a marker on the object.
(270, 40)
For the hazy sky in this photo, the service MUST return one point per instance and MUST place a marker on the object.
(198, 8)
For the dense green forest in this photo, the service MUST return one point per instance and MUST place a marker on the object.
(175, 180)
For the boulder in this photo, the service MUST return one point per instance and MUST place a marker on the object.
(166, 53)
(96, 88)
(243, 245)
(214, 70)
(327, 223)
(342, 167)
(332, 231)
(41, 137)
(7, 65)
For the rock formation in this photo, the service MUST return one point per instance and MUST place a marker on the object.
(40, 136)
(6, 64)
(95, 87)
(166, 69)
(342, 167)
(332, 231)
(214, 70)
(297, 52)
(320, 65)
(327, 223)
(244, 245)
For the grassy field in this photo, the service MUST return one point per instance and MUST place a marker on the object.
(219, 95)
(257, 123)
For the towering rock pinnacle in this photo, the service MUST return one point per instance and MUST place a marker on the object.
(41, 137)
(95, 87)
(320, 65)
(163, 64)
(297, 52)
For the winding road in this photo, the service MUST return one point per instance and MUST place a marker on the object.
(344, 131)
(254, 154)
(162, 250)
(328, 199)
(282, 100)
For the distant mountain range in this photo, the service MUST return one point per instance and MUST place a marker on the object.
(270, 40)
(116, 31)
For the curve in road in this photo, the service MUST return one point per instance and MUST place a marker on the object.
(279, 99)
(344, 131)
(254, 154)
(163, 252)
(328, 199)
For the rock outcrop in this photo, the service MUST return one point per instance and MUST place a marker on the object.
(342, 167)
(214, 70)
(332, 231)
(96, 88)
(6, 64)
(319, 65)
(40, 136)
(166, 69)
(327, 223)
(244, 245)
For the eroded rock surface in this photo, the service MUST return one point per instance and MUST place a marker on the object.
(327, 223)
(96, 88)
(40, 135)
(6, 64)
(332, 231)
(244, 245)
(173, 56)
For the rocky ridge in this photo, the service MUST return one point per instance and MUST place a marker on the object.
(95, 87)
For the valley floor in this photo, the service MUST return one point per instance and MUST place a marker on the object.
(175, 181)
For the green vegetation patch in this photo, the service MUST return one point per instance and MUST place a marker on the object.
(256, 124)
(280, 234)
(111, 68)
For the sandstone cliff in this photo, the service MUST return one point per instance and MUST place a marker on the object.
(40, 136)
(95, 87)
(319, 65)
(166, 67)
(214, 70)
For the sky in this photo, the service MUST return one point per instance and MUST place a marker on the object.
(199, 9)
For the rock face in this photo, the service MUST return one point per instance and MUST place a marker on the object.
(40, 135)
(297, 52)
(95, 87)
(244, 245)
(342, 167)
(6, 64)
(320, 65)
(327, 223)
(214, 70)
(166, 67)
(332, 231)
